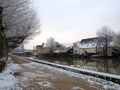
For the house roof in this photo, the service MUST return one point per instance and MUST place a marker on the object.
(89, 40)
(44, 45)
(87, 43)
(67, 45)
(90, 43)
(38, 45)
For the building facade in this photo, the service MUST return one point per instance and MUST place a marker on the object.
(43, 49)
(90, 46)
(85, 46)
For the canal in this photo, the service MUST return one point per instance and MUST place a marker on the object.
(111, 66)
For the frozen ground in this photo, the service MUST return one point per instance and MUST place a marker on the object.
(45, 84)
(9, 82)
(108, 85)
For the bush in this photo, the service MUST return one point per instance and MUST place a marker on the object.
(2, 65)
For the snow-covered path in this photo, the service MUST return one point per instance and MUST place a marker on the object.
(106, 76)
(40, 77)
(27, 75)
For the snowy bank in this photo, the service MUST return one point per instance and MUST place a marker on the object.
(109, 77)
(7, 80)
(92, 81)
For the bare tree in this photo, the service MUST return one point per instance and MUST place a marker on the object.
(3, 42)
(51, 44)
(105, 36)
(117, 39)
(19, 21)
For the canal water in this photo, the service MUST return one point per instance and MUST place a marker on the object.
(111, 66)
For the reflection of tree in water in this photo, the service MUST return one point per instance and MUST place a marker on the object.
(102, 65)
(68, 61)
(116, 63)
(108, 66)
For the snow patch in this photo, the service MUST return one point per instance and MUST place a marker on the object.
(92, 80)
(23, 81)
(88, 68)
(7, 80)
(45, 84)
(77, 88)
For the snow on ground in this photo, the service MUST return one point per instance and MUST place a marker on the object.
(7, 80)
(79, 69)
(45, 84)
(77, 88)
(88, 68)
(92, 80)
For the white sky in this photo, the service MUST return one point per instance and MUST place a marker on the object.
(69, 21)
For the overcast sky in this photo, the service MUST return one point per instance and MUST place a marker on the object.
(69, 21)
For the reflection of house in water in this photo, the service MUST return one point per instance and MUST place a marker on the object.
(101, 65)
(84, 62)
(79, 63)
(61, 62)
(108, 66)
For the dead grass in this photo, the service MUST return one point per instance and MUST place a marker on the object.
(18, 60)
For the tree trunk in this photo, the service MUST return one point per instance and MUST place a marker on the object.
(1, 46)
(106, 46)
(3, 42)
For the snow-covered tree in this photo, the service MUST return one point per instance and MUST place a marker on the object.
(117, 39)
(51, 44)
(105, 36)
(19, 20)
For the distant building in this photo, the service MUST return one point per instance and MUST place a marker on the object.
(43, 49)
(90, 46)
(85, 46)
(21, 52)
(39, 49)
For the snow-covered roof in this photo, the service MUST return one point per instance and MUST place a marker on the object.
(91, 43)
(87, 43)
(67, 44)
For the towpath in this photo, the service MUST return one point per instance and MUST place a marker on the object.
(42, 78)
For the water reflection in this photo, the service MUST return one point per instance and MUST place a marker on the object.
(102, 65)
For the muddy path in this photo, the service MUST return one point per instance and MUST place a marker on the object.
(41, 78)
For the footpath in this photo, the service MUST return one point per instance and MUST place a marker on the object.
(42, 78)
